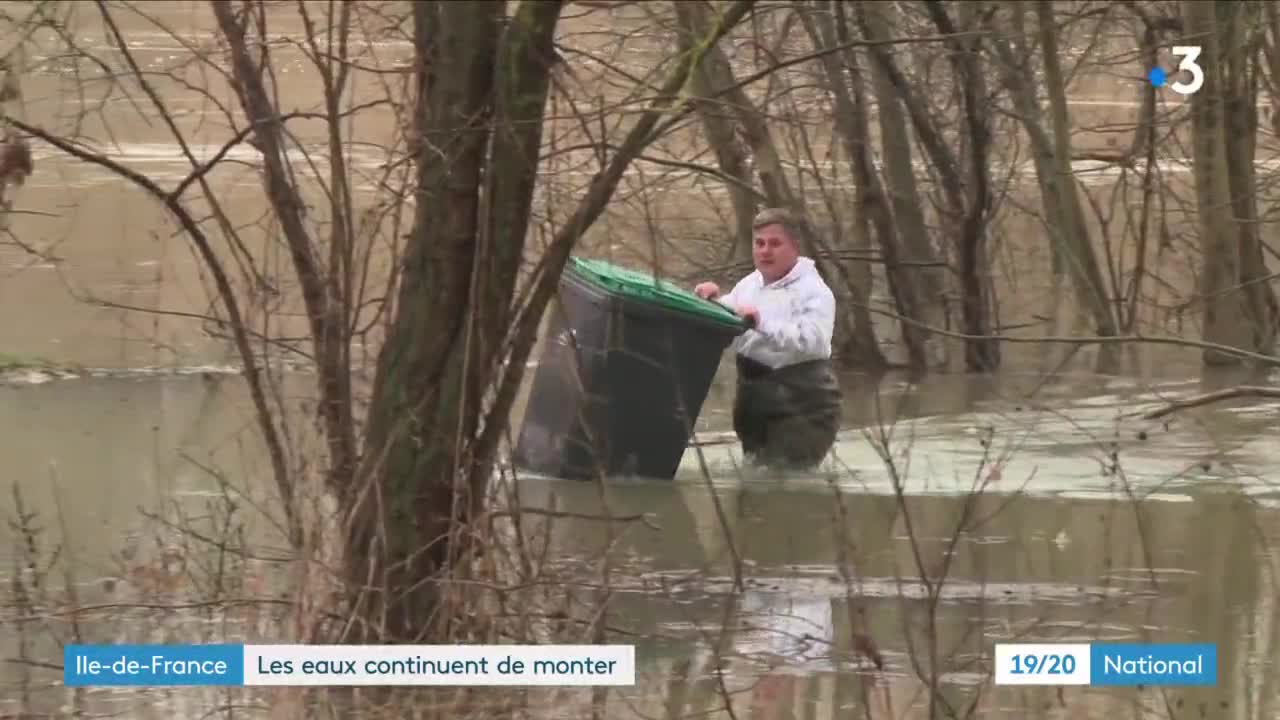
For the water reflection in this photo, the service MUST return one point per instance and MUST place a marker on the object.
(1024, 568)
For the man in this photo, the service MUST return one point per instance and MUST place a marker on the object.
(787, 409)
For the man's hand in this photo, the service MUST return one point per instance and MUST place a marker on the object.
(749, 313)
(707, 290)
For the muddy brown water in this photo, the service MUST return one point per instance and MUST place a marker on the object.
(1177, 542)
(1182, 547)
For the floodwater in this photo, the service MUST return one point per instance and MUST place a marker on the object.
(1045, 542)
(1054, 514)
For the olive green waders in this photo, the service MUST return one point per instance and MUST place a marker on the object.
(787, 417)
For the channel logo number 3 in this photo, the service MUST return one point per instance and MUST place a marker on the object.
(1189, 54)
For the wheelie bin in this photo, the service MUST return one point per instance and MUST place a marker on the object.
(627, 361)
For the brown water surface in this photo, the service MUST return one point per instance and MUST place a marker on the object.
(1178, 545)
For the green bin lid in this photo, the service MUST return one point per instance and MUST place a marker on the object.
(646, 288)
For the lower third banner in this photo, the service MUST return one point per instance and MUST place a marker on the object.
(335, 665)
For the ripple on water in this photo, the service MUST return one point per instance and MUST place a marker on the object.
(1066, 452)
(829, 586)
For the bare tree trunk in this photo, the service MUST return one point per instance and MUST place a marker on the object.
(711, 78)
(452, 312)
(754, 126)
(1272, 50)
(858, 345)
(899, 169)
(1144, 144)
(967, 200)
(1091, 289)
(1064, 215)
(1240, 25)
(860, 348)
(977, 297)
(970, 201)
(320, 289)
(454, 358)
(873, 204)
(1229, 316)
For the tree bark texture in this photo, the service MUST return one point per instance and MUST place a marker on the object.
(1064, 217)
(860, 348)
(480, 97)
(899, 169)
(450, 368)
(1237, 309)
(713, 77)
(852, 123)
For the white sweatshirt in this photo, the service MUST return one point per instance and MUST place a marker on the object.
(797, 316)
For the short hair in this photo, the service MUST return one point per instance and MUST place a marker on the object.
(780, 216)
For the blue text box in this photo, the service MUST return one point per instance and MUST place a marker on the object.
(152, 665)
(1168, 664)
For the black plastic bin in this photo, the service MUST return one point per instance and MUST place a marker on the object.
(626, 365)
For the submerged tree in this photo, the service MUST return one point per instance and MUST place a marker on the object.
(964, 175)
(1239, 305)
(450, 368)
(1064, 219)
(461, 304)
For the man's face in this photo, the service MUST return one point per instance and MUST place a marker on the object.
(774, 253)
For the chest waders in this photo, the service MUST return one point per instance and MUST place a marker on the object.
(787, 417)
